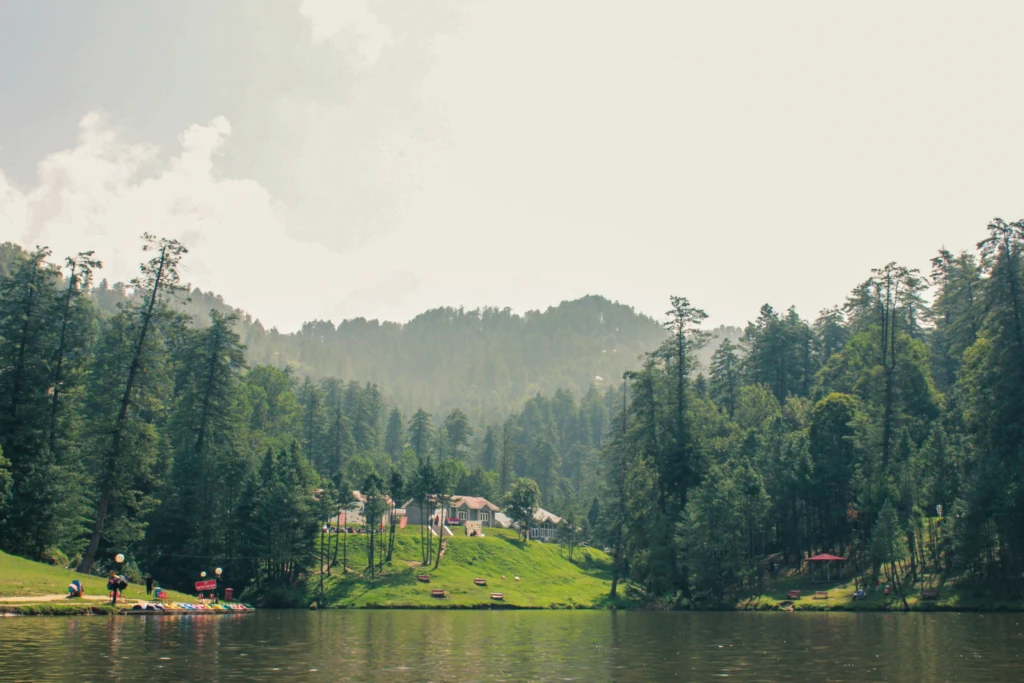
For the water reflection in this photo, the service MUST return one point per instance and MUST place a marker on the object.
(419, 645)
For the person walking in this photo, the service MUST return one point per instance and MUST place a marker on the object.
(113, 584)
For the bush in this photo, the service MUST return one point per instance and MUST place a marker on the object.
(55, 556)
(284, 596)
(74, 561)
(132, 572)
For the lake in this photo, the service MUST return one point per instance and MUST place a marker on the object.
(464, 646)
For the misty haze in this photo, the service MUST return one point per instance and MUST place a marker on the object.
(480, 340)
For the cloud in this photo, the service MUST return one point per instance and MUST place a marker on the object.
(331, 19)
(104, 192)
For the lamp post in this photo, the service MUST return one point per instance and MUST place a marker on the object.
(217, 572)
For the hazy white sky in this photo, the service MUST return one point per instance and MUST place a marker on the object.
(338, 158)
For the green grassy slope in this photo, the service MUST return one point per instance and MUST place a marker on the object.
(21, 578)
(546, 578)
(953, 596)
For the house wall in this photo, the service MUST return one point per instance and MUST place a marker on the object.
(420, 516)
(473, 515)
(544, 532)
(354, 514)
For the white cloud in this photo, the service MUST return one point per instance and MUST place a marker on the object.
(103, 193)
(330, 19)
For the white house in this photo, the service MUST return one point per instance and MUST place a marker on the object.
(544, 525)
(461, 509)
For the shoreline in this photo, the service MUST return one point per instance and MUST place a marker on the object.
(79, 610)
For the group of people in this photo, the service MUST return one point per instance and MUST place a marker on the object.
(116, 583)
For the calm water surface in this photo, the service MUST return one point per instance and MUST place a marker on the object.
(396, 646)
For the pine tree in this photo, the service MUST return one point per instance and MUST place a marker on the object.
(420, 432)
(677, 463)
(459, 432)
(366, 425)
(725, 376)
(509, 455)
(311, 400)
(27, 348)
(131, 345)
(489, 453)
(394, 437)
(206, 431)
(956, 313)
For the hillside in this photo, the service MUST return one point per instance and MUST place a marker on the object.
(486, 361)
(546, 577)
(23, 582)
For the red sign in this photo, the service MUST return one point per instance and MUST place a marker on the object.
(208, 585)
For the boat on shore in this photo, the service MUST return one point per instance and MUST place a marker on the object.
(184, 608)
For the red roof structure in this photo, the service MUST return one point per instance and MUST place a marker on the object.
(825, 557)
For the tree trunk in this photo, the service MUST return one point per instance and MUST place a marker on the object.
(59, 360)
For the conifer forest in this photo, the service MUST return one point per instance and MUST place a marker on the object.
(148, 419)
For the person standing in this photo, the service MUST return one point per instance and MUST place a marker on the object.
(149, 584)
(112, 586)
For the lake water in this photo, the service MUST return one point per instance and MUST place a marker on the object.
(465, 646)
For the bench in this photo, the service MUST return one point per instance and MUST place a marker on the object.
(793, 595)
(930, 594)
(438, 593)
(425, 578)
(821, 595)
(497, 596)
(480, 582)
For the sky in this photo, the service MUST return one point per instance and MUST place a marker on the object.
(328, 159)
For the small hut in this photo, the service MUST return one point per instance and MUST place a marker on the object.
(828, 561)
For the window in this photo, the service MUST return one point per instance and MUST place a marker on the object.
(485, 516)
(463, 515)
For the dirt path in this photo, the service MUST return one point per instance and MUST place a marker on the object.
(56, 597)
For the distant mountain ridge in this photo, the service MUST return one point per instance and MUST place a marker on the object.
(486, 361)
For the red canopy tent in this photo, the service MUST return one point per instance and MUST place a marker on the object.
(828, 559)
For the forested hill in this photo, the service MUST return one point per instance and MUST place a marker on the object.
(487, 362)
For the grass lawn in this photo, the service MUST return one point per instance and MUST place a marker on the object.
(546, 577)
(21, 578)
(959, 596)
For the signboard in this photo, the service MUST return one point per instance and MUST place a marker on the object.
(208, 585)
(474, 528)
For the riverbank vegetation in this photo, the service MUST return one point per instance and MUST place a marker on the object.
(887, 430)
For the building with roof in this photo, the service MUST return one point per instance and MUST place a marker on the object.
(544, 525)
(353, 514)
(473, 509)
(461, 509)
